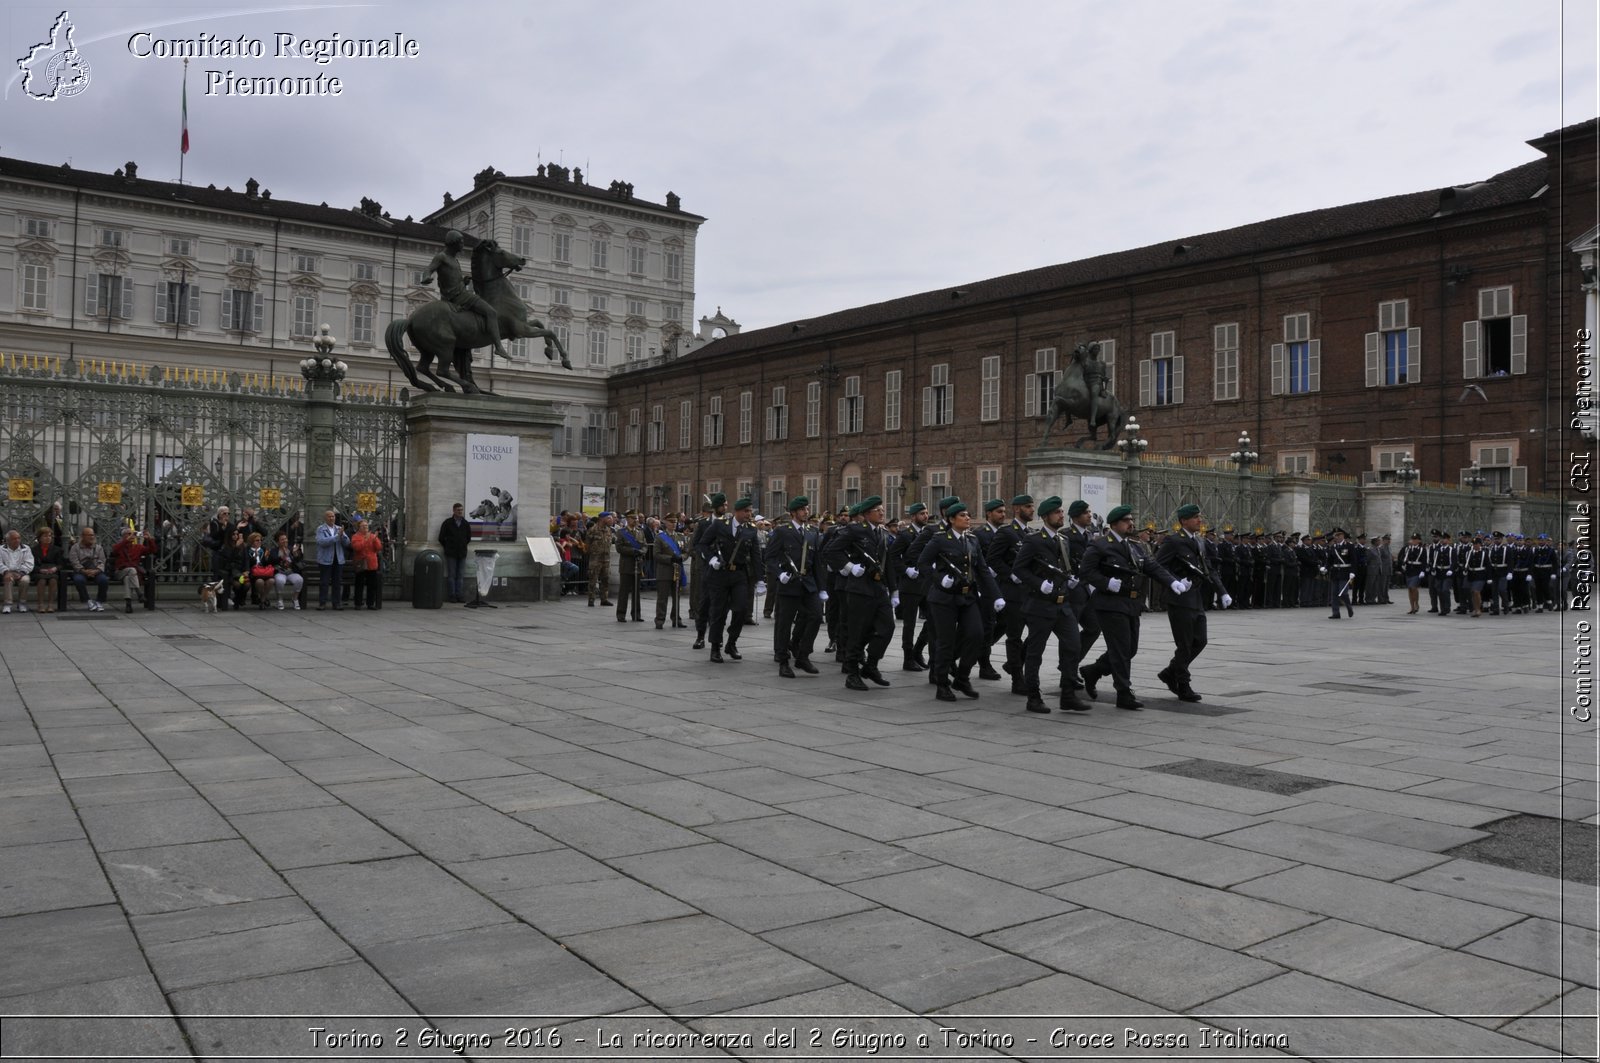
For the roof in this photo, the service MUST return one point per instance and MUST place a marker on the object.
(1514, 186)
(222, 199)
(571, 188)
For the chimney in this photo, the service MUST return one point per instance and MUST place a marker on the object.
(251, 186)
(132, 170)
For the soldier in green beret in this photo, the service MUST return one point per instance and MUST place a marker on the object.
(994, 627)
(1001, 553)
(729, 547)
(1045, 571)
(1185, 552)
(791, 563)
(958, 579)
(715, 506)
(912, 591)
(859, 557)
(1113, 566)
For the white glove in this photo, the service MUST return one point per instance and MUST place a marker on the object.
(761, 587)
(716, 562)
(1046, 587)
(858, 570)
(1072, 583)
(1227, 602)
(1015, 578)
(1179, 586)
(947, 582)
(1321, 571)
(1449, 572)
(999, 604)
(911, 572)
(1530, 578)
(822, 595)
(1113, 584)
(784, 578)
(1091, 588)
(894, 599)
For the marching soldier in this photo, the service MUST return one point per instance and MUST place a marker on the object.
(597, 544)
(833, 601)
(699, 576)
(859, 555)
(1477, 567)
(994, 628)
(929, 532)
(1341, 572)
(669, 555)
(1080, 533)
(729, 546)
(1544, 574)
(1441, 573)
(912, 591)
(957, 575)
(630, 568)
(1291, 572)
(1184, 551)
(1413, 562)
(1272, 582)
(791, 562)
(1044, 566)
(1522, 575)
(1113, 566)
(1001, 553)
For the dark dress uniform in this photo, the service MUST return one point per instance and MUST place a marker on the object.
(1122, 559)
(791, 561)
(913, 592)
(1044, 568)
(730, 546)
(1341, 568)
(956, 557)
(994, 627)
(1184, 554)
(669, 556)
(1078, 540)
(700, 580)
(1441, 577)
(1413, 564)
(1544, 575)
(1291, 576)
(868, 614)
(1001, 552)
(1272, 591)
(630, 569)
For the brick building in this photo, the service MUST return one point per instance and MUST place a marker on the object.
(1435, 324)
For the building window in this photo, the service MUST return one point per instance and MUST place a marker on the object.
(35, 286)
(246, 256)
(561, 248)
(36, 228)
(1297, 361)
(1225, 359)
(304, 322)
(599, 346)
(108, 295)
(1497, 465)
(242, 310)
(747, 401)
(112, 238)
(938, 487)
(938, 406)
(362, 315)
(673, 265)
(1388, 460)
(1299, 463)
(779, 503)
(851, 405)
(599, 251)
(594, 435)
(599, 301)
(989, 392)
(893, 485)
(635, 343)
(672, 312)
(814, 409)
(891, 400)
(988, 484)
(685, 424)
(560, 296)
(813, 491)
(522, 240)
(1497, 343)
(564, 334)
(364, 271)
(1394, 352)
(636, 259)
(305, 263)
(180, 247)
(657, 433)
(636, 308)
(711, 426)
(850, 492)
(1161, 375)
(778, 415)
(1108, 358)
(1040, 387)
(177, 304)
(634, 430)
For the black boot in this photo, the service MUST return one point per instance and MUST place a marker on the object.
(1036, 703)
(1126, 700)
(963, 684)
(986, 671)
(700, 643)
(944, 693)
(716, 655)
(1186, 692)
(784, 670)
(871, 672)
(1090, 678)
(1017, 687)
(733, 652)
(1172, 682)
(805, 665)
(853, 680)
(911, 664)
(1070, 702)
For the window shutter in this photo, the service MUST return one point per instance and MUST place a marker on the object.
(1486, 302)
(227, 308)
(1176, 393)
(1519, 343)
(1313, 365)
(91, 294)
(1280, 368)
(705, 430)
(1519, 478)
(1030, 400)
(1470, 368)
(191, 296)
(927, 406)
(1147, 383)
(844, 415)
(125, 304)
(1374, 359)
(164, 291)
(255, 325)
(1413, 355)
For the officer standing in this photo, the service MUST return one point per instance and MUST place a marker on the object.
(957, 574)
(700, 576)
(1001, 553)
(729, 547)
(1413, 562)
(791, 563)
(1184, 551)
(630, 568)
(1441, 573)
(1113, 566)
(597, 544)
(859, 555)
(1045, 568)
(668, 550)
(1341, 570)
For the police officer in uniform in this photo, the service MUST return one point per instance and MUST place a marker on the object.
(1079, 531)
(1341, 570)
(729, 546)
(670, 555)
(859, 556)
(1184, 552)
(994, 628)
(700, 576)
(1441, 573)
(957, 575)
(1001, 553)
(791, 560)
(1413, 562)
(1044, 567)
(1113, 566)
(912, 591)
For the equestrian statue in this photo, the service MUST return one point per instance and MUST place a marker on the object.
(1082, 392)
(466, 317)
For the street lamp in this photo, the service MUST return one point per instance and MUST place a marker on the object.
(1244, 457)
(1407, 473)
(1475, 479)
(1131, 445)
(323, 369)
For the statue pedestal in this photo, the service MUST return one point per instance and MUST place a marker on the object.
(439, 423)
(1095, 476)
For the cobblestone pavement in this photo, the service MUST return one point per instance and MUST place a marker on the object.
(535, 831)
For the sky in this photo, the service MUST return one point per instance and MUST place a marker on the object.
(844, 152)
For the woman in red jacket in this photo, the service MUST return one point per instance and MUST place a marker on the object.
(364, 549)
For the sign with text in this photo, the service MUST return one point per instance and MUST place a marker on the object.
(1094, 493)
(491, 483)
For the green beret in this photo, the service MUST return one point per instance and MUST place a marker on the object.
(992, 505)
(1120, 513)
(957, 506)
(1186, 511)
(798, 502)
(870, 503)
(1022, 500)
(915, 508)
(743, 503)
(1079, 506)
(946, 502)
(1049, 506)
(718, 499)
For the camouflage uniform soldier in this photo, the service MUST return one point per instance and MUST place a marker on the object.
(598, 542)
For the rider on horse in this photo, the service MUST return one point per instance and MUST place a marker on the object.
(453, 289)
(1087, 355)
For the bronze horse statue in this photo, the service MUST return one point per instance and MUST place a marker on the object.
(1072, 398)
(439, 330)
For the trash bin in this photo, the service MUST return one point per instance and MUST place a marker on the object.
(427, 580)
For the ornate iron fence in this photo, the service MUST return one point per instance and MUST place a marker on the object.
(1227, 499)
(163, 448)
(1446, 508)
(1335, 503)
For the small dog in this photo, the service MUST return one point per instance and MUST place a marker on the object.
(208, 595)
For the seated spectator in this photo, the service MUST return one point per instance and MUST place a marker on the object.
(49, 558)
(16, 569)
(364, 548)
(126, 558)
(88, 561)
(285, 560)
(263, 576)
(232, 569)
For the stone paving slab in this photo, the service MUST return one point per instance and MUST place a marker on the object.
(1203, 912)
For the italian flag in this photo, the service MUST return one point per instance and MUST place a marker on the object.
(185, 150)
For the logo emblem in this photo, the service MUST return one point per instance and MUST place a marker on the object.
(55, 69)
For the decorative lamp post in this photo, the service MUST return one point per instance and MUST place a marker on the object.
(1407, 473)
(1475, 481)
(323, 374)
(1244, 457)
(1131, 446)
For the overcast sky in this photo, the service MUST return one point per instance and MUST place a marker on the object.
(848, 151)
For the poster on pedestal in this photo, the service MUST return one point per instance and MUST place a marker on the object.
(594, 500)
(1094, 493)
(491, 484)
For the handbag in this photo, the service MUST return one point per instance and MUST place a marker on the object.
(262, 572)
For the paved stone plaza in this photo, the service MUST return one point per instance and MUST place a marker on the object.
(430, 829)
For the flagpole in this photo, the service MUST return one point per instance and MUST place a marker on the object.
(183, 147)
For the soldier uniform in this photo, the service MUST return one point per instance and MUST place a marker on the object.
(1078, 532)
(1184, 552)
(1441, 573)
(700, 575)
(1001, 553)
(1413, 562)
(912, 591)
(597, 544)
(668, 551)
(791, 564)
(994, 628)
(957, 577)
(630, 569)
(1341, 570)
(1113, 565)
(858, 554)
(729, 546)
(1044, 567)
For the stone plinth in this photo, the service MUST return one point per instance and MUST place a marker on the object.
(1065, 471)
(1291, 502)
(439, 424)
(1383, 511)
